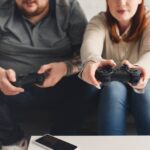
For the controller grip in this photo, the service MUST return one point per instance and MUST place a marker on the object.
(32, 78)
(104, 74)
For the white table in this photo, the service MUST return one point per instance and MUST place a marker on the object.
(103, 142)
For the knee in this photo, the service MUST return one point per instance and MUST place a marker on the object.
(115, 92)
(115, 88)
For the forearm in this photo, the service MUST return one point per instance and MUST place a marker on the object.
(73, 64)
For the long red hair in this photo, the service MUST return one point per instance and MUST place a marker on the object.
(139, 23)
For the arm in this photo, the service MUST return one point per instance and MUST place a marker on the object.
(143, 62)
(73, 64)
(91, 50)
(93, 41)
(7, 76)
(76, 28)
(144, 51)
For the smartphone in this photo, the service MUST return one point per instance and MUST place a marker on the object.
(50, 142)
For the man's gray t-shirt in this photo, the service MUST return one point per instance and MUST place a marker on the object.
(24, 47)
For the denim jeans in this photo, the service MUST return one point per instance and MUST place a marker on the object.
(115, 100)
(68, 102)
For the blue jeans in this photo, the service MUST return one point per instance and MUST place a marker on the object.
(67, 102)
(115, 100)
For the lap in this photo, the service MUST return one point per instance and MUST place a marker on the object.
(70, 95)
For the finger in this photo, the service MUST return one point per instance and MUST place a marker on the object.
(126, 62)
(140, 85)
(89, 72)
(93, 79)
(44, 68)
(50, 82)
(98, 86)
(109, 62)
(112, 63)
(144, 74)
(91, 82)
(11, 75)
(9, 93)
(7, 86)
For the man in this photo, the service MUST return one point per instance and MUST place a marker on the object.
(41, 36)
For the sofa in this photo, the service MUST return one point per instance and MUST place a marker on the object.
(35, 124)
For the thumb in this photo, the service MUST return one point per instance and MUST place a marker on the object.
(98, 86)
(126, 62)
(11, 75)
(44, 68)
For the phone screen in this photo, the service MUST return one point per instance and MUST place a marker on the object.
(54, 143)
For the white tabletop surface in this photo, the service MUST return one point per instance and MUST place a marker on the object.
(102, 142)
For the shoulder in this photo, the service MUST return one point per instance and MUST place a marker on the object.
(6, 10)
(69, 11)
(65, 3)
(65, 7)
(99, 20)
(6, 3)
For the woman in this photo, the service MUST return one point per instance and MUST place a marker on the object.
(119, 36)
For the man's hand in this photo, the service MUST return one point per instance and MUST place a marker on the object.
(6, 77)
(88, 74)
(56, 71)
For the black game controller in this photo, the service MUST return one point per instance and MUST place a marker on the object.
(29, 79)
(122, 74)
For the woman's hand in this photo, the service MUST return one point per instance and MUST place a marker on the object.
(88, 74)
(144, 76)
(56, 71)
(6, 77)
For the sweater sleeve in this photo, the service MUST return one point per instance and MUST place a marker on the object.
(93, 41)
(144, 54)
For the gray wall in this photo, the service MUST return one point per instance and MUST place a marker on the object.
(92, 7)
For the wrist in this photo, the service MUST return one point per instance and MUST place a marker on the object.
(69, 67)
(88, 63)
